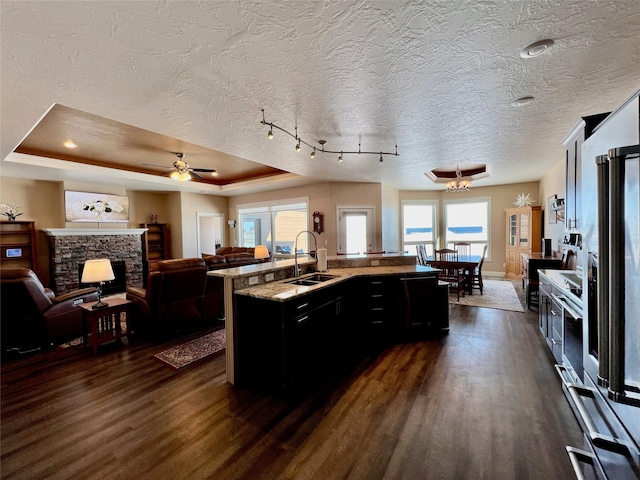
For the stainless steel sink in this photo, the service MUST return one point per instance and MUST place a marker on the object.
(321, 277)
(303, 282)
(311, 280)
(573, 279)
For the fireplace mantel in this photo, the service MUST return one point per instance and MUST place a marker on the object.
(68, 232)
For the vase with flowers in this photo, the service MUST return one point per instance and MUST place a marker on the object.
(11, 211)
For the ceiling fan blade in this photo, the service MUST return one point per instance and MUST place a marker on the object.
(153, 165)
(205, 170)
(195, 174)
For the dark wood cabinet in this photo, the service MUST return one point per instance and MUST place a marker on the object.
(573, 150)
(18, 245)
(292, 344)
(155, 242)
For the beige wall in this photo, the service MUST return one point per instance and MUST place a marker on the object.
(40, 202)
(190, 205)
(502, 197)
(391, 211)
(553, 183)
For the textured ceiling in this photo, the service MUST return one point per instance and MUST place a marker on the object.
(434, 78)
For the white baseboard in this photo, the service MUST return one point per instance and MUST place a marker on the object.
(492, 274)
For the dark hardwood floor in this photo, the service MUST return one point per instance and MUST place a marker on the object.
(481, 403)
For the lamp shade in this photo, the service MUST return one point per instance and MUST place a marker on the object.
(98, 270)
(261, 252)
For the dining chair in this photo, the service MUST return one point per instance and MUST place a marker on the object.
(453, 275)
(463, 249)
(421, 251)
(446, 255)
(476, 279)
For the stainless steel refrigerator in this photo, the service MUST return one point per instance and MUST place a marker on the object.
(608, 403)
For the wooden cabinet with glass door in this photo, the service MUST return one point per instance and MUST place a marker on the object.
(524, 234)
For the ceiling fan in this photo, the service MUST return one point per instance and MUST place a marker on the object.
(183, 172)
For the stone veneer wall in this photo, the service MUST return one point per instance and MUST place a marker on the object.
(67, 251)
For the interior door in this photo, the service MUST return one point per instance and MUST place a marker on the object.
(356, 230)
(210, 232)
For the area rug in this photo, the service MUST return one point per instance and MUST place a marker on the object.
(498, 294)
(193, 350)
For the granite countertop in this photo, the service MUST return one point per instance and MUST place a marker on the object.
(566, 281)
(282, 291)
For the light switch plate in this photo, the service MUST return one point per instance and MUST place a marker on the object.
(269, 277)
(253, 280)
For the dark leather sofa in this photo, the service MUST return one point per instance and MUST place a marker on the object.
(178, 293)
(230, 257)
(33, 316)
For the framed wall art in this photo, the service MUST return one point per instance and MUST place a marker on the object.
(95, 207)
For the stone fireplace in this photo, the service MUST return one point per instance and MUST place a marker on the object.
(70, 247)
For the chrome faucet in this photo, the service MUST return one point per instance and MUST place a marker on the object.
(296, 269)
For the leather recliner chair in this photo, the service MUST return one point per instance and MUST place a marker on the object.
(33, 316)
(175, 295)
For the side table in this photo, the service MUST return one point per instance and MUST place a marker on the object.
(102, 325)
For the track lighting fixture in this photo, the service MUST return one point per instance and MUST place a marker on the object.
(321, 142)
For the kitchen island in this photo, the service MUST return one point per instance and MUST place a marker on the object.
(370, 297)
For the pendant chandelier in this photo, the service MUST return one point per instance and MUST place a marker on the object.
(321, 143)
(458, 185)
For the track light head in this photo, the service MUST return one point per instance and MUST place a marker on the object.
(270, 134)
(298, 147)
(381, 159)
(340, 158)
(313, 153)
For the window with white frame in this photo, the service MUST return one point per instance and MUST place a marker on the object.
(274, 224)
(468, 221)
(419, 220)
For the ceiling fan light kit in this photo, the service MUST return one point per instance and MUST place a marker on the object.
(322, 143)
(184, 173)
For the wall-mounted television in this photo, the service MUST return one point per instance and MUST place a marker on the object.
(95, 207)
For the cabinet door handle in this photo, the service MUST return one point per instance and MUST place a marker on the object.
(376, 283)
(304, 305)
(303, 319)
(555, 342)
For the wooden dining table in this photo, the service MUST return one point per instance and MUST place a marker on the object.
(466, 265)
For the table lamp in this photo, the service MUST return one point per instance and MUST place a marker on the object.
(98, 271)
(261, 252)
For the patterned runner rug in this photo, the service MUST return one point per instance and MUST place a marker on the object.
(193, 350)
(498, 294)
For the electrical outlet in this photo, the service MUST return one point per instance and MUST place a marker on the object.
(269, 277)
(375, 263)
(504, 265)
(253, 280)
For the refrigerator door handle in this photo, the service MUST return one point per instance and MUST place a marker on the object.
(617, 274)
